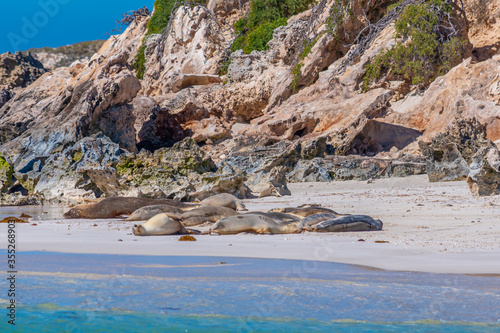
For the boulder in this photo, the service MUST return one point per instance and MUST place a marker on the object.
(450, 153)
(84, 170)
(184, 172)
(484, 176)
(272, 183)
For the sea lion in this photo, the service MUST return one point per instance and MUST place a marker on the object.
(160, 224)
(116, 206)
(147, 212)
(316, 218)
(281, 218)
(204, 214)
(302, 212)
(256, 223)
(224, 200)
(348, 223)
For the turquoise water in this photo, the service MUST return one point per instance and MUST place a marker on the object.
(97, 293)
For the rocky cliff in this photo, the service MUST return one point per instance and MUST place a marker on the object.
(318, 92)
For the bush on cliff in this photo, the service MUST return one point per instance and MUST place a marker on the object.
(428, 46)
(265, 16)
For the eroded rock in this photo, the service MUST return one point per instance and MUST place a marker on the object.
(19, 70)
(484, 176)
(450, 153)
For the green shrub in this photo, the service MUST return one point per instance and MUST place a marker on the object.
(296, 75)
(161, 16)
(224, 66)
(264, 17)
(257, 38)
(140, 60)
(424, 52)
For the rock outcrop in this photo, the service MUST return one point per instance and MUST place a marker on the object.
(449, 154)
(19, 70)
(204, 120)
(484, 176)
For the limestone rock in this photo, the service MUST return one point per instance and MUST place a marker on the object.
(5, 95)
(183, 172)
(68, 104)
(464, 92)
(484, 176)
(19, 70)
(193, 47)
(309, 171)
(271, 183)
(85, 170)
(450, 153)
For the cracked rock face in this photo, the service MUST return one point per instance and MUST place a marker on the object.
(262, 122)
(19, 70)
(68, 104)
(484, 176)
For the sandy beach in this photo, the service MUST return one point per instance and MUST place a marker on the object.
(428, 227)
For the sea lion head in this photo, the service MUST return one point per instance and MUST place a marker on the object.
(138, 230)
(291, 228)
(241, 206)
(74, 212)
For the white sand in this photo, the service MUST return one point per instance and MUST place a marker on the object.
(431, 227)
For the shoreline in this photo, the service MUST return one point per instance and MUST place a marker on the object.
(437, 228)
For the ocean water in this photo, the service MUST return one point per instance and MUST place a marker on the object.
(59, 292)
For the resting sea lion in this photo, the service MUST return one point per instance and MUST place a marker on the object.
(205, 214)
(280, 218)
(224, 200)
(148, 212)
(349, 223)
(256, 223)
(303, 211)
(160, 224)
(116, 206)
(316, 218)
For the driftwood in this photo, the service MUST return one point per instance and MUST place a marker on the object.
(131, 16)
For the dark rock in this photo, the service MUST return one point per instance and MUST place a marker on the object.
(5, 96)
(270, 183)
(19, 70)
(450, 153)
(484, 176)
(372, 137)
(309, 171)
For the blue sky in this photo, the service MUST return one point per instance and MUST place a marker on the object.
(37, 23)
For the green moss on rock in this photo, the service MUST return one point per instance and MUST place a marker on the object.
(6, 172)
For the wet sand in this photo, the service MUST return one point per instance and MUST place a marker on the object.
(429, 227)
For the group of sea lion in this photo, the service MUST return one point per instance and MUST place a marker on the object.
(220, 212)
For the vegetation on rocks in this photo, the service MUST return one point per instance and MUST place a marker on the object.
(6, 172)
(428, 46)
(71, 52)
(159, 20)
(256, 30)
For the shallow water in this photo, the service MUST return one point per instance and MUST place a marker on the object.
(36, 212)
(82, 292)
